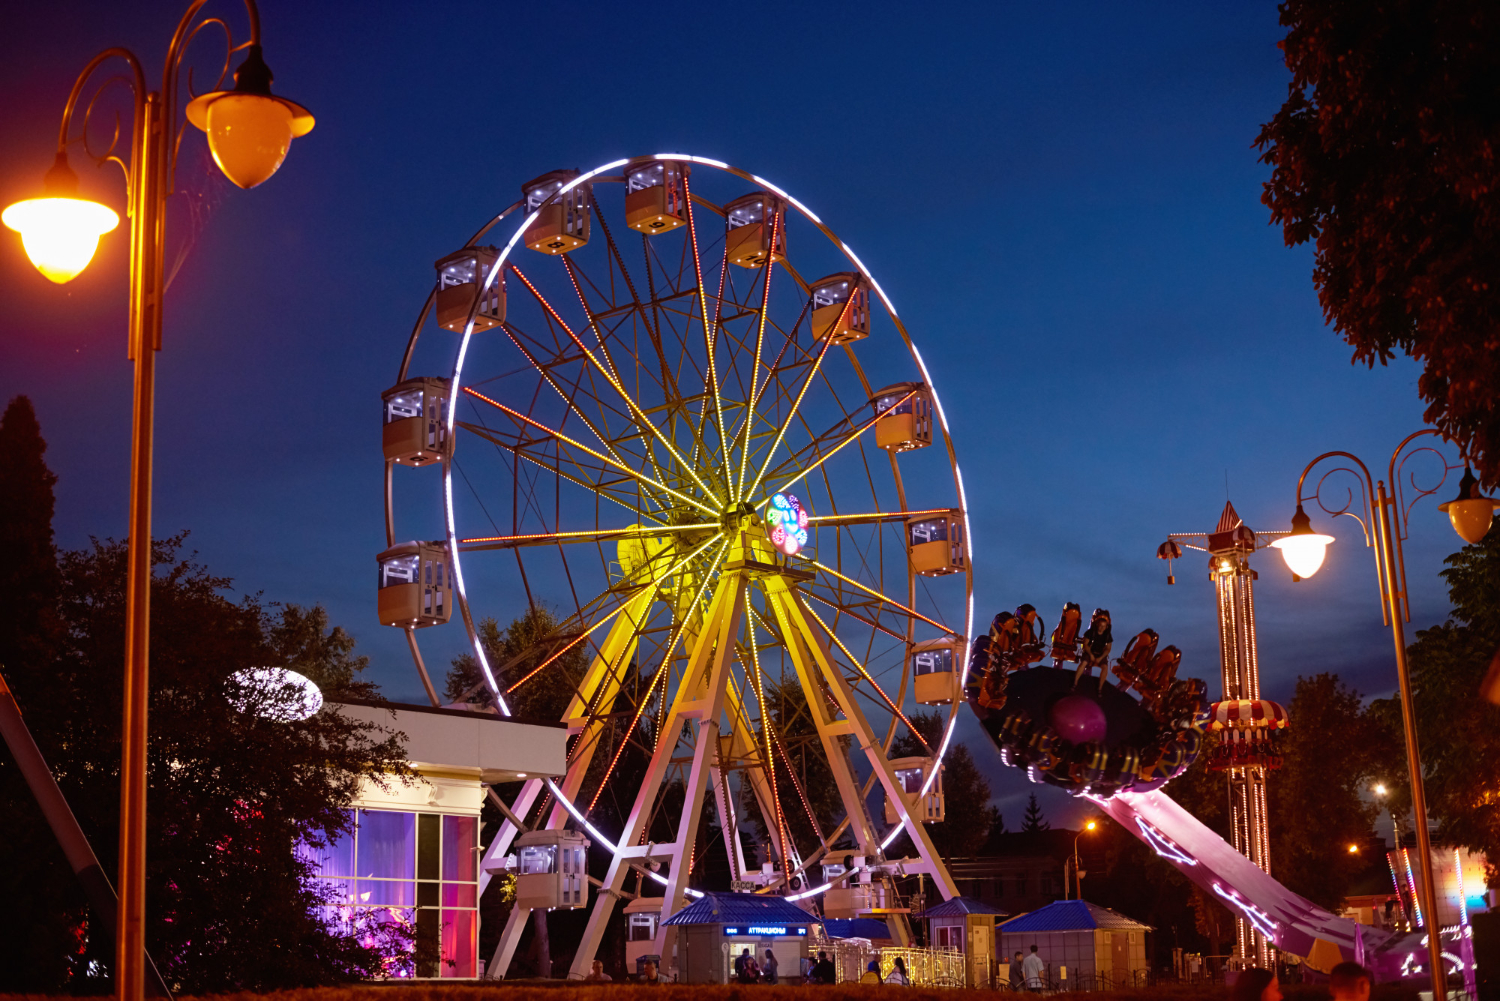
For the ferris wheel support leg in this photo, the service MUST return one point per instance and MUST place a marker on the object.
(859, 727)
(712, 650)
(505, 949)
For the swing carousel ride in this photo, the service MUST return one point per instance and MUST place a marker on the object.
(671, 408)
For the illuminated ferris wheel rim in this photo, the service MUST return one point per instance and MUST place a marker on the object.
(496, 269)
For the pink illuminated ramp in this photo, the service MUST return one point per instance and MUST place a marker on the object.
(1295, 924)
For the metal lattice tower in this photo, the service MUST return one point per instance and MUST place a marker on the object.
(1230, 547)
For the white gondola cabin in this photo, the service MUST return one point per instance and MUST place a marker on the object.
(855, 900)
(416, 588)
(934, 668)
(755, 230)
(935, 544)
(562, 224)
(413, 432)
(905, 412)
(655, 196)
(642, 917)
(460, 276)
(551, 870)
(841, 308)
(910, 774)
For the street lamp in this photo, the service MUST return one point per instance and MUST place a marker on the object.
(1077, 874)
(249, 131)
(1384, 528)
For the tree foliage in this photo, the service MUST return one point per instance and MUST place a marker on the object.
(514, 654)
(231, 791)
(1459, 732)
(1384, 154)
(1034, 820)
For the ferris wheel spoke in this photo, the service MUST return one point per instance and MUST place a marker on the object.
(876, 594)
(569, 399)
(565, 538)
(596, 486)
(846, 610)
(638, 476)
(710, 338)
(613, 379)
(865, 673)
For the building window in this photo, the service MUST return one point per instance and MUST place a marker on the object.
(1021, 885)
(418, 872)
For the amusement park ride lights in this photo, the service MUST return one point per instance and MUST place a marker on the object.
(1249, 725)
(249, 131)
(1384, 527)
(669, 436)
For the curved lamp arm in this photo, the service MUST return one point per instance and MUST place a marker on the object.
(1369, 525)
(1402, 508)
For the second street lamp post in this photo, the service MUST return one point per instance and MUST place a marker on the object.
(249, 131)
(1077, 872)
(1384, 528)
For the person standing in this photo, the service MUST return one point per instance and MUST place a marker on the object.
(1017, 978)
(1033, 971)
(898, 974)
(769, 968)
(871, 974)
(742, 967)
(823, 973)
(649, 974)
(597, 974)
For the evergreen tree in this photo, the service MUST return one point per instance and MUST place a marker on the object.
(1034, 821)
(28, 572)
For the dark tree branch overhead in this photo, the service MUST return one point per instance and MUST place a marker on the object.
(1384, 155)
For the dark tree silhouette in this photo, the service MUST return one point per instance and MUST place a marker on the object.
(1384, 155)
(1034, 820)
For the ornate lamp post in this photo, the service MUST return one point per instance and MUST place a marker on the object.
(1384, 528)
(249, 131)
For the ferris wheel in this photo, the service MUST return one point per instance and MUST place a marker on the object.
(679, 414)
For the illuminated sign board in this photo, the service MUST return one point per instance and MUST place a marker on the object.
(788, 523)
(765, 931)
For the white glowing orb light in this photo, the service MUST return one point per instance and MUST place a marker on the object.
(788, 523)
(276, 693)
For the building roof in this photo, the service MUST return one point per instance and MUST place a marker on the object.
(957, 907)
(870, 928)
(740, 908)
(1072, 915)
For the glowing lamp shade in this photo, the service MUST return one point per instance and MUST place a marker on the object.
(249, 129)
(1471, 512)
(1303, 549)
(275, 693)
(60, 234)
(248, 136)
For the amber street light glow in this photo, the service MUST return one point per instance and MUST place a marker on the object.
(1303, 549)
(249, 128)
(60, 234)
(1471, 512)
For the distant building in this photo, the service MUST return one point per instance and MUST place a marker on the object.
(1020, 872)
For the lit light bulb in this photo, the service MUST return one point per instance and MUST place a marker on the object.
(1354, 849)
(1303, 549)
(248, 135)
(1090, 825)
(1379, 788)
(60, 234)
(1471, 512)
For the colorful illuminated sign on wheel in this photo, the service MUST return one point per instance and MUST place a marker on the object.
(788, 522)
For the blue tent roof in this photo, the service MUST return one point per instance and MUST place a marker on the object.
(740, 908)
(1072, 915)
(958, 907)
(870, 928)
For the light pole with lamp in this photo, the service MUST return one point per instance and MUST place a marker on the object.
(1471, 515)
(249, 131)
(1077, 873)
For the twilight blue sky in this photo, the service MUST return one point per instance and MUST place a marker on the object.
(1063, 203)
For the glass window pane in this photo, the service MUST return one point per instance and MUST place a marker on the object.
(387, 844)
(429, 827)
(387, 892)
(460, 838)
(459, 944)
(336, 859)
(459, 894)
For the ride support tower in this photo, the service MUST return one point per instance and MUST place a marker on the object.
(1250, 724)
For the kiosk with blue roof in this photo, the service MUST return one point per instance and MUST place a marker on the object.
(719, 926)
(1085, 946)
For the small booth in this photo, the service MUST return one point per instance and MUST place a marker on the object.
(910, 774)
(717, 927)
(415, 588)
(562, 224)
(936, 544)
(642, 916)
(1085, 947)
(412, 429)
(968, 925)
(755, 230)
(459, 277)
(934, 670)
(841, 308)
(551, 869)
(905, 411)
(655, 196)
